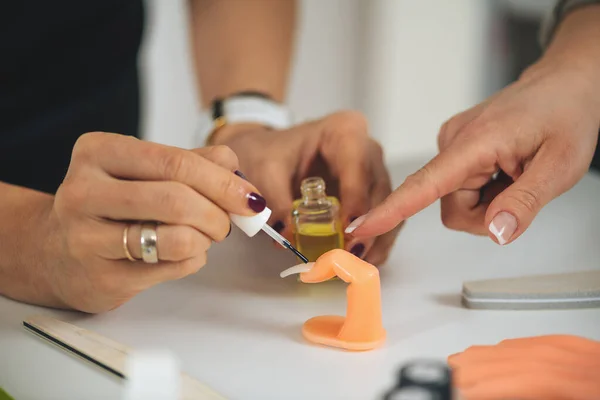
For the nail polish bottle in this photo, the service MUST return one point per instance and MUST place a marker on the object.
(317, 226)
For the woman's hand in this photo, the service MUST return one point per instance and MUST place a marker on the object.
(536, 137)
(114, 181)
(337, 148)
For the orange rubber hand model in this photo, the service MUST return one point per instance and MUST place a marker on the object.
(362, 328)
(554, 367)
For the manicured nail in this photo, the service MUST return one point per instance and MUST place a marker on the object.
(352, 219)
(278, 226)
(358, 249)
(355, 224)
(256, 202)
(241, 175)
(503, 226)
(229, 233)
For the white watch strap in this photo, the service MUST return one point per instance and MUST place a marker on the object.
(245, 109)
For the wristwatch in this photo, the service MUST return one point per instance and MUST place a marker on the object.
(242, 107)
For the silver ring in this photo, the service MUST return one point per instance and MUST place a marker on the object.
(148, 241)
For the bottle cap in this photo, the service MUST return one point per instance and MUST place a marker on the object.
(431, 374)
(251, 225)
(411, 393)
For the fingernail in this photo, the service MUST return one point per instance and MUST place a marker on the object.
(352, 219)
(229, 233)
(241, 175)
(355, 224)
(256, 202)
(503, 226)
(278, 226)
(358, 249)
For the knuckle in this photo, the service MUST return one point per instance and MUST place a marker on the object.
(528, 198)
(182, 244)
(443, 135)
(71, 197)
(355, 198)
(269, 167)
(453, 124)
(355, 118)
(223, 156)
(90, 140)
(482, 126)
(377, 149)
(347, 123)
(445, 127)
(191, 266)
(424, 179)
(452, 128)
(88, 144)
(568, 163)
(448, 220)
(175, 165)
(229, 187)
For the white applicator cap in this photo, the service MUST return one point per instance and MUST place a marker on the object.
(254, 224)
(251, 225)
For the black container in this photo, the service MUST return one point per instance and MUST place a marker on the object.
(423, 379)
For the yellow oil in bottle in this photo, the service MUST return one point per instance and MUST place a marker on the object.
(313, 240)
(317, 226)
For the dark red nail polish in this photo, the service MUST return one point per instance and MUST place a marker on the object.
(256, 202)
(358, 249)
(241, 175)
(278, 226)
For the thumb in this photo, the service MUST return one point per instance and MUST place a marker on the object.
(277, 191)
(513, 210)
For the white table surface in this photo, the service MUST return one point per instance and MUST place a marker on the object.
(236, 325)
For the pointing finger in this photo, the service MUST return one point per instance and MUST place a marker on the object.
(441, 176)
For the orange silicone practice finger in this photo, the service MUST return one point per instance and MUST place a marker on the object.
(534, 352)
(343, 264)
(567, 342)
(362, 328)
(469, 375)
(544, 384)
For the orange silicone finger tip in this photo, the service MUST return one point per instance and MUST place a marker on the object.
(455, 360)
(316, 276)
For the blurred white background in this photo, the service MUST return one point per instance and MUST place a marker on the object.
(407, 64)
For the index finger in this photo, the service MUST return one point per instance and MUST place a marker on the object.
(444, 174)
(220, 155)
(129, 158)
(351, 164)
